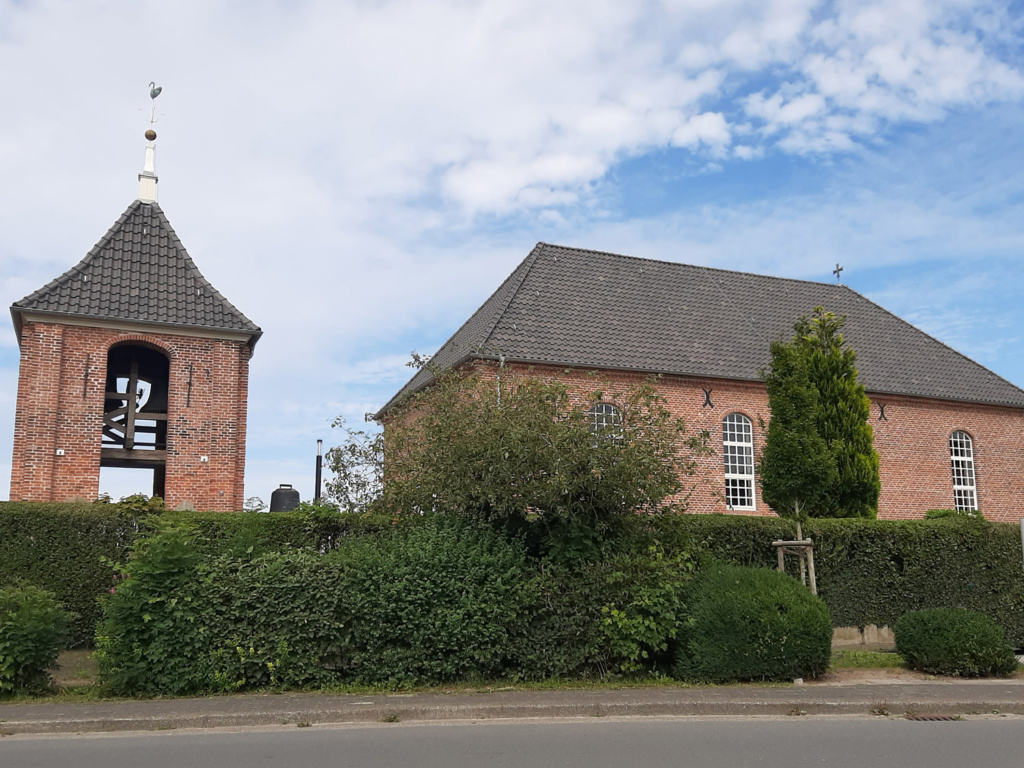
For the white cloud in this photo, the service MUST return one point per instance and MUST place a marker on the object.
(709, 128)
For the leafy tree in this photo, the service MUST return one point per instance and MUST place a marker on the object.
(519, 452)
(357, 466)
(818, 361)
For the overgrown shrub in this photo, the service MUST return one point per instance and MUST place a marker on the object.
(427, 603)
(521, 453)
(33, 629)
(615, 615)
(752, 624)
(440, 601)
(945, 514)
(953, 641)
(149, 641)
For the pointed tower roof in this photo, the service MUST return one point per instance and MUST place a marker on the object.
(139, 273)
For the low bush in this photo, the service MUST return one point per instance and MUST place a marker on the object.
(953, 641)
(33, 629)
(752, 624)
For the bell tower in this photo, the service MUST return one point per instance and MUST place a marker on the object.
(132, 358)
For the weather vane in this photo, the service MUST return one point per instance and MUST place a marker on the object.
(154, 91)
(836, 272)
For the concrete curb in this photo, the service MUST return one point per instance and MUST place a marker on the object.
(933, 698)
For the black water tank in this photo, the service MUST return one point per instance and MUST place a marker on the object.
(284, 499)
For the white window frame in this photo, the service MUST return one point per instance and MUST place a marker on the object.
(605, 418)
(961, 461)
(738, 445)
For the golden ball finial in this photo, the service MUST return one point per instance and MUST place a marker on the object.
(151, 134)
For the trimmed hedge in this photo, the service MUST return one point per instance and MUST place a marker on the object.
(752, 624)
(874, 571)
(869, 571)
(952, 641)
(67, 548)
(618, 614)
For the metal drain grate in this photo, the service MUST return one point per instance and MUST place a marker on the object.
(933, 718)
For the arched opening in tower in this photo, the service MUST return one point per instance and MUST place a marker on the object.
(134, 433)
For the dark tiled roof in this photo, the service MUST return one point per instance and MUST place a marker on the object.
(569, 306)
(139, 272)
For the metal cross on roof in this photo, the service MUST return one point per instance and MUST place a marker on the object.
(836, 272)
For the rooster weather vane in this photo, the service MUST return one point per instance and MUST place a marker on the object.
(154, 91)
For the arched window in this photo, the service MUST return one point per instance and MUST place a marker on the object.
(604, 418)
(961, 457)
(738, 453)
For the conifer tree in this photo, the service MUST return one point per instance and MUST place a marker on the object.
(796, 466)
(842, 417)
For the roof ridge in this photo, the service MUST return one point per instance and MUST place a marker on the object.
(531, 257)
(684, 264)
(483, 306)
(423, 375)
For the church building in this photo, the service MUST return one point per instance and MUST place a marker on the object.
(132, 359)
(949, 433)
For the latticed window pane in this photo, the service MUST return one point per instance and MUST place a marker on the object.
(961, 456)
(739, 493)
(739, 459)
(964, 499)
(738, 456)
(605, 417)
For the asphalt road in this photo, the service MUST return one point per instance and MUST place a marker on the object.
(791, 742)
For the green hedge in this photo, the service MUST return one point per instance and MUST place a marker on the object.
(874, 571)
(952, 641)
(869, 571)
(66, 548)
(439, 601)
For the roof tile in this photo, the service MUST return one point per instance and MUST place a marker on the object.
(139, 271)
(569, 306)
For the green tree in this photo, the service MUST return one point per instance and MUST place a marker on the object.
(797, 467)
(357, 467)
(842, 418)
(818, 360)
(522, 454)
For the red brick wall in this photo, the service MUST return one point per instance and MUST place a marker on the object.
(60, 407)
(912, 443)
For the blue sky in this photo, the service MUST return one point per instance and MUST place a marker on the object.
(358, 177)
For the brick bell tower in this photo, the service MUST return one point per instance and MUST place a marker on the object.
(132, 359)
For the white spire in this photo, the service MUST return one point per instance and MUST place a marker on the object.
(148, 179)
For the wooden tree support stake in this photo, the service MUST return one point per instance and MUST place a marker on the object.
(804, 550)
